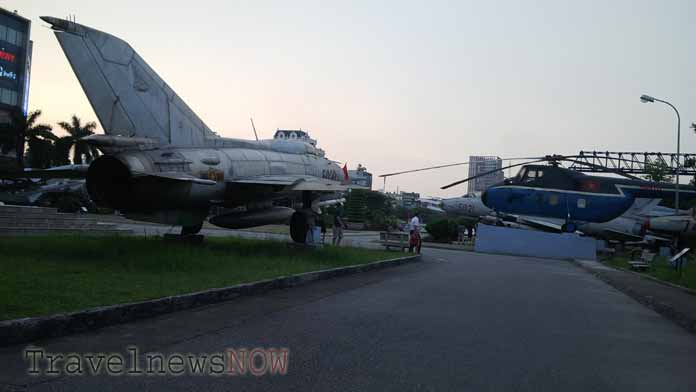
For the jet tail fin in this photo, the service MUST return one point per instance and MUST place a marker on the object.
(128, 96)
(642, 206)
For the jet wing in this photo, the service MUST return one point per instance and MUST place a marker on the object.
(435, 209)
(71, 171)
(617, 235)
(175, 176)
(539, 224)
(298, 183)
(651, 237)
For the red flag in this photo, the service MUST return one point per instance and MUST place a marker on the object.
(346, 178)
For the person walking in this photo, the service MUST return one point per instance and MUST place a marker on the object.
(338, 226)
(311, 224)
(415, 238)
(322, 224)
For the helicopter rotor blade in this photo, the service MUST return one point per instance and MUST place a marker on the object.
(493, 171)
(444, 166)
(423, 169)
(554, 159)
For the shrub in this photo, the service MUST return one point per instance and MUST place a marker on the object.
(443, 230)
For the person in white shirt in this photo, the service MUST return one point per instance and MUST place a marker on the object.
(415, 223)
(415, 238)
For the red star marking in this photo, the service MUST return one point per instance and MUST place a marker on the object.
(590, 186)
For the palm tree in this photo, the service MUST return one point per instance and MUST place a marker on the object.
(28, 132)
(61, 152)
(76, 131)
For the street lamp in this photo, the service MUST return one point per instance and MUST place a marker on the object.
(648, 99)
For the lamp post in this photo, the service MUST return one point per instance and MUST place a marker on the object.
(645, 99)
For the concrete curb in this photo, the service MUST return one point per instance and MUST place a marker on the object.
(680, 318)
(34, 328)
(434, 245)
(650, 277)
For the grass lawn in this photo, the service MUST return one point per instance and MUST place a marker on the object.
(661, 269)
(54, 274)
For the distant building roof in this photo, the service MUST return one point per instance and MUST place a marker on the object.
(14, 14)
(294, 134)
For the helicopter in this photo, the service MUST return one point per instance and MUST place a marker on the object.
(551, 191)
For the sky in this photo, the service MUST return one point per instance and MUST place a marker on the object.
(397, 85)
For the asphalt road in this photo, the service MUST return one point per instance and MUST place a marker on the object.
(454, 322)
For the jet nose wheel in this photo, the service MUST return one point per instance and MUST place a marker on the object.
(299, 227)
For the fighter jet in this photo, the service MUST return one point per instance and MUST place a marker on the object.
(162, 164)
(469, 205)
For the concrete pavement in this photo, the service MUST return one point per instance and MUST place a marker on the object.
(457, 321)
(351, 239)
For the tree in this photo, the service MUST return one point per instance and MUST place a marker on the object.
(61, 152)
(356, 206)
(22, 131)
(76, 131)
(658, 172)
(39, 153)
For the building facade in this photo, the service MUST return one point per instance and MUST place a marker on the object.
(360, 177)
(15, 66)
(409, 199)
(483, 164)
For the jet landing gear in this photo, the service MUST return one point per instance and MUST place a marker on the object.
(191, 230)
(301, 219)
(189, 234)
(299, 226)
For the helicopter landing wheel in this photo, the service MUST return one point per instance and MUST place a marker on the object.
(569, 227)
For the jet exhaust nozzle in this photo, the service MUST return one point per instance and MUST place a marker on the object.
(109, 182)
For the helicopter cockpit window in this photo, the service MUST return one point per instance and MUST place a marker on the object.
(530, 176)
(521, 174)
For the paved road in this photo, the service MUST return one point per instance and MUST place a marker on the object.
(457, 321)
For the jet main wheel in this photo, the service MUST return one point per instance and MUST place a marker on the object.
(190, 230)
(298, 227)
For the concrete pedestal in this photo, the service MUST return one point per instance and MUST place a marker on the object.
(520, 242)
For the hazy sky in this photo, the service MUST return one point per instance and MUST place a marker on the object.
(399, 85)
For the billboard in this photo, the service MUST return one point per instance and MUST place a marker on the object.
(15, 61)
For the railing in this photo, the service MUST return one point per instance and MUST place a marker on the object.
(636, 162)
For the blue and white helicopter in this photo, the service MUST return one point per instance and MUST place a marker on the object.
(551, 191)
